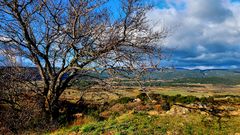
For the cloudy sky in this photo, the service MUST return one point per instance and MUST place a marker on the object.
(205, 34)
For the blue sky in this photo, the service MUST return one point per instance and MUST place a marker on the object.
(205, 34)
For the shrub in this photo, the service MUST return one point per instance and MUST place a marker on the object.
(189, 129)
(143, 97)
(88, 128)
(75, 128)
(142, 108)
(210, 99)
(124, 100)
(166, 106)
(95, 113)
(117, 108)
(203, 100)
(155, 96)
(187, 99)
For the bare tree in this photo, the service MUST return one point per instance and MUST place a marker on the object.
(18, 106)
(71, 37)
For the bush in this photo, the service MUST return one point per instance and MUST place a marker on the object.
(124, 100)
(166, 106)
(179, 98)
(143, 97)
(94, 112)
(203, 100)
(210, 99)
(187, 99)
(155, 96)
(88, 128)
(75, 128)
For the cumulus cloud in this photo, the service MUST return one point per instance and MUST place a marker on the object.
(205, 32)
(208, 10)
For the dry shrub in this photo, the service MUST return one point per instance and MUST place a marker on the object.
(113, 111)
(118, 108)
(19, 106)
(83, 119)
(106, 114)
(132, 105)
(143, 108)
(27, 117)
(158, 108)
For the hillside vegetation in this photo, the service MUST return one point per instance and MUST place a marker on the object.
(162, 115)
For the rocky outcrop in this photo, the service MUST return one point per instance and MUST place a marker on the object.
(178, 110)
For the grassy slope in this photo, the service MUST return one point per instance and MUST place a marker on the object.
(144, 124)
(193, 123)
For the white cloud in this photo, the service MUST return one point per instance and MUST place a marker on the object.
(201, 67)
(207, 30)
(208, 10)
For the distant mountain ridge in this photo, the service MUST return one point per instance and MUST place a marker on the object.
(179, 73)
(167, 74)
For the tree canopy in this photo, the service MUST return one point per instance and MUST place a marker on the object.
(73, 36)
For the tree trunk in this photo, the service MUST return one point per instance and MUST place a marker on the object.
(42, 104)
(51, 95)
(52, 107)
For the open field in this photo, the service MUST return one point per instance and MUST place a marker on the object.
(198, 90)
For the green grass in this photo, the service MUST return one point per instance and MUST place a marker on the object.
(133, 122)
(144, 124)
(185, 82)
(210, 80)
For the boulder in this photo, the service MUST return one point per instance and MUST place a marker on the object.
(177, 110)
(152, 112)
(137, 100)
